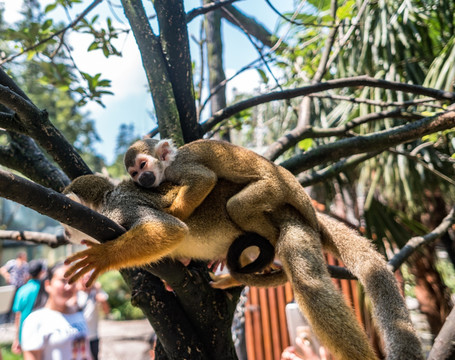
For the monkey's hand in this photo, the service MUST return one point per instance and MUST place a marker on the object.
(144, 243)
(90, 259)
(196, 185)
(214, 264)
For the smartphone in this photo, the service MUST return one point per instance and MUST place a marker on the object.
(298, 327)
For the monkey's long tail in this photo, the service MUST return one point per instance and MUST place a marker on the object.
(357, 253)
(299, 249)
(248, 274)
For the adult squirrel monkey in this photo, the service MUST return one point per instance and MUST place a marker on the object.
(209, 232)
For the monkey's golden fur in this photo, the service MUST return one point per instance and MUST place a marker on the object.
(208, 233)
(197, 167)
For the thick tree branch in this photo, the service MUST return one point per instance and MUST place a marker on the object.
(36, 124)
(23, 155)
(176, 49)
(328, 85)
(34, 237)
(166, 315)
(378, 141)
(214, 45)
(154, 63)
(58, 206)
(298, 134)
(249, 25)
(188, 283)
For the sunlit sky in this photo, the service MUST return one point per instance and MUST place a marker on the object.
(131, 103)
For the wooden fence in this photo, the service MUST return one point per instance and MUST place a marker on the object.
(266, 331)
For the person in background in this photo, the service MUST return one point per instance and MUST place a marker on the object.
(15, 271)
(91, 300)
(25, 299)
(303, 350)
(57, 331)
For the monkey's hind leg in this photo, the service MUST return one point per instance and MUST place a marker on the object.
(334, 323)
(249, 209)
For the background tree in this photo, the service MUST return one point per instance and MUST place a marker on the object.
(342, 106)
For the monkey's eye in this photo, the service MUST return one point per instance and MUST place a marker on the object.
(133, 174)
(143, 164)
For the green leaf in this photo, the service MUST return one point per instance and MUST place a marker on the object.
(93, 46)
(346, 11)
(305, 144)
(50, 7)
(263, 76)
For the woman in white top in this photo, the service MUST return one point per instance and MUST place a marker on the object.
(57, 331)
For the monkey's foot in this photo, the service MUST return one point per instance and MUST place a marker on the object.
(224, 281)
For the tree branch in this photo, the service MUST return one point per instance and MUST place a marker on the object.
(36, 124)
(328, 85)
(58, 206)
(400, 104)
(35, 237)
(155, 67)
(414, 243)
(444, 345)
(300, 133)
(378, 141)
(249, 25)
(411, 246)
(204, 9)
(335, 169)
(24, 156)
(176, 49)
(424, 164)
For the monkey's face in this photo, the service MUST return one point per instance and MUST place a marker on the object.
(146, 160)
(147, 171)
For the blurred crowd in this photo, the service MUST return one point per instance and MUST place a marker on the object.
(53, 319)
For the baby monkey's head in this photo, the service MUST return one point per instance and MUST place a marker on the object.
(147, 159)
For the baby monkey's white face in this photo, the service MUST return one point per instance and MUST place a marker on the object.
(147, 171)
(148, 166)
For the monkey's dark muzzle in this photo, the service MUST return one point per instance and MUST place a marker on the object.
(147, 179)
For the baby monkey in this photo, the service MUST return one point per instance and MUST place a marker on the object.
(198, 165)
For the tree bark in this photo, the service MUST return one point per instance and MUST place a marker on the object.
(156, 70)
(176, 49)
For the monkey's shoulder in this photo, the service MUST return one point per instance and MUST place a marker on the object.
(130, 192)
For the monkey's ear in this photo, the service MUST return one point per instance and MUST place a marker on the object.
(165, 150)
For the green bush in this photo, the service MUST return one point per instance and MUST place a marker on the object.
(5, 350)
(119, 297)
